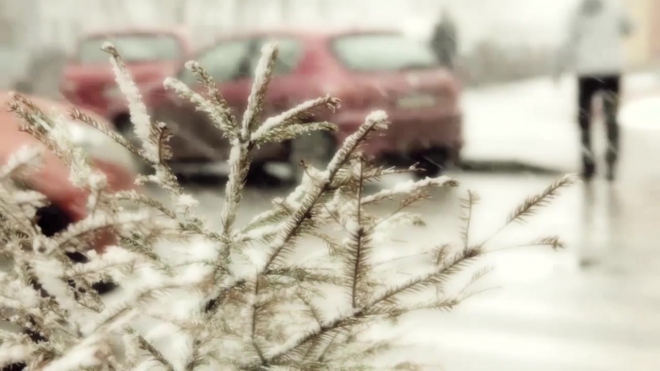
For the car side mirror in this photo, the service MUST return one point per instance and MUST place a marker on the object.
(246, 66)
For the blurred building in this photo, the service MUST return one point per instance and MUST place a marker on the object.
(61, 22)
(28, 26)
(15, 37)
(644, 44)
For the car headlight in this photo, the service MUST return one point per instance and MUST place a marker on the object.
(113, 93)
(100, 146)
(68, 86)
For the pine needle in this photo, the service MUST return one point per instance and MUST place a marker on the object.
(532, 204)
(467, 204)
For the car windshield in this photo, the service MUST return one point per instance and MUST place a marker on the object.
(383, 52)
(133, 48)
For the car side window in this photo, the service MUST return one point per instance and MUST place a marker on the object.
(224, 62)
(290, 51)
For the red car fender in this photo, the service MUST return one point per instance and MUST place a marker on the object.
(51, 178)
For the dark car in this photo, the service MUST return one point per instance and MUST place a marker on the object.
(367, 70)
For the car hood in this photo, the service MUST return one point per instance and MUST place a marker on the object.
(102, 74)
(52, 177)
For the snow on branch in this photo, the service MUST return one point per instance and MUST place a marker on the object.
(244, 297)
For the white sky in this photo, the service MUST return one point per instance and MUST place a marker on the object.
(516, 21)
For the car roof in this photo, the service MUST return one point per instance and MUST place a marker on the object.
(310, 34)
(178, 31)
(307, 35)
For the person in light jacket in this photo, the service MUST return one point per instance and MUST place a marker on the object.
(594, 50)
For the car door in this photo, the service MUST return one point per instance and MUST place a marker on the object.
(196, 136)
(231, 64)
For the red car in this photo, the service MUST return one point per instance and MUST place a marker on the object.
(52, 179)
(367, 70)
(151, 54)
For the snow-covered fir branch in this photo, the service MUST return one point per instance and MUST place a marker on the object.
(183, 303)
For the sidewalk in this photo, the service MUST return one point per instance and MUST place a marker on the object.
(532, 123)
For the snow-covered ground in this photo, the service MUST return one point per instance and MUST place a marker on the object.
(534, 122)
(550, 314)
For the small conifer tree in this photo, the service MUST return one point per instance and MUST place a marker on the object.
(231, 299)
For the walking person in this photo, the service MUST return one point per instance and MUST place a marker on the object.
(444, 40)
(595, 50)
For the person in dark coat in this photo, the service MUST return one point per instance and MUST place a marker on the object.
(444, 40)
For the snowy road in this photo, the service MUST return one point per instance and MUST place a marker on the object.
(533, 122)
(549, 313)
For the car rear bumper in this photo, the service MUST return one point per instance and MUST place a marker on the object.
(209, 158)
(410, 132)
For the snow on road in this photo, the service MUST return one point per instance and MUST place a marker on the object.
(547, 313)
(533, 122)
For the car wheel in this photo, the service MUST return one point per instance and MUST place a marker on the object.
(315, 149)
(124, 126)
(258, 176)
(434, 163)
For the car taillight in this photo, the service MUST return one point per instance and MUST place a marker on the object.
(69, 91)
(355, 97)
(67, 86)
(113, 93)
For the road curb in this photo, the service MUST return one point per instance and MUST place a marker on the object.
(504, 166)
